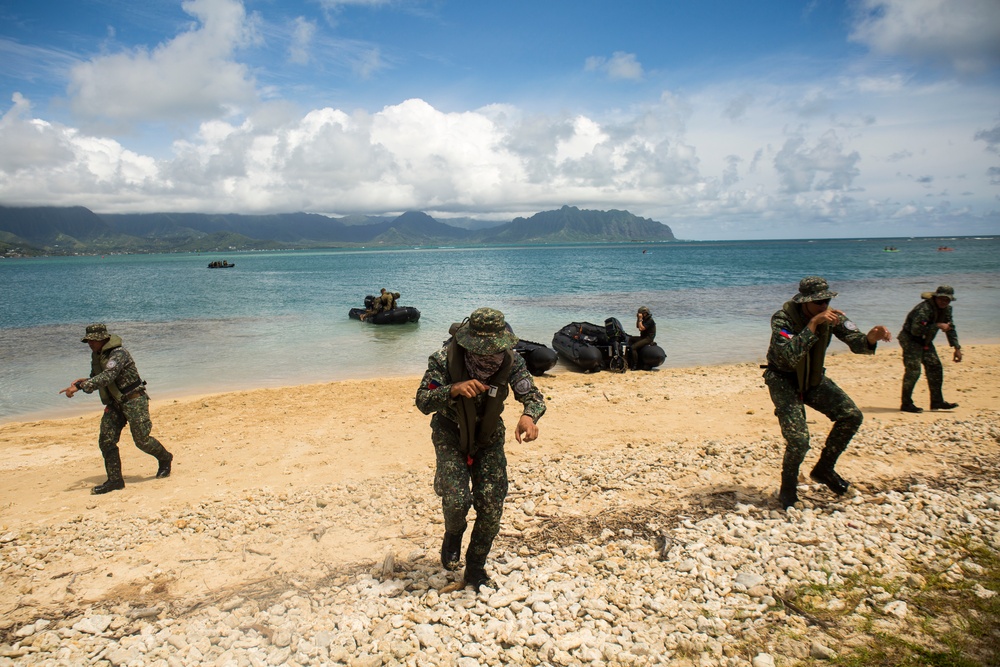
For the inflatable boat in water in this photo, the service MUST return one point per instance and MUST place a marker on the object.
(593, 347)
(398, 315)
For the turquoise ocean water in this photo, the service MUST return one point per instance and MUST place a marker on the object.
(280, 318)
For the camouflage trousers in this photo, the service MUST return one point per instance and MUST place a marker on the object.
(826, 398)
(136, 414)
(916, 354)
(482, 485)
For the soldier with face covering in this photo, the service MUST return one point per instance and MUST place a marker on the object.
(464, 387)
(800, 333)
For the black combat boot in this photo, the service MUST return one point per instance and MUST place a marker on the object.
(451, 550)
(911, 407)
(789, 493)
(113, 466)
(164, 469)
(108, 486)
(825, 474)
(937, 397)
(475, 576)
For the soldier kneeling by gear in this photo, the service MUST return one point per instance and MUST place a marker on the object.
(114, 375)
(465, 386)
(800, 333)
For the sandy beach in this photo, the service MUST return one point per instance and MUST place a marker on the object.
(311, 487)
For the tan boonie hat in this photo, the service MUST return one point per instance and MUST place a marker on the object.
(947, 291)
(813, 288)
(96, 331)
(486, 332)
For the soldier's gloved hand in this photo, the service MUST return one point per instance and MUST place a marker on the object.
(958, 355)
(526, 430)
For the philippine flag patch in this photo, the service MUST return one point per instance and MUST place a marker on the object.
(432, 385)
(785, 333)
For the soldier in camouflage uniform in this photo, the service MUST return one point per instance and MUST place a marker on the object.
(465, 386)
(114, 375)
(795, 377)
(931, 315)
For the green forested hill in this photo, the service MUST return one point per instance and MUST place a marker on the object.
(77, 230)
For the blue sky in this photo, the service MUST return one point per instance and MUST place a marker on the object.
(767, 119)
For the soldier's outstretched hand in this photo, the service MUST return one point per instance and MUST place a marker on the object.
(878, 333)
(527, 429)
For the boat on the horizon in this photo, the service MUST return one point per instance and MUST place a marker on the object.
(593, 347)
(224, 264)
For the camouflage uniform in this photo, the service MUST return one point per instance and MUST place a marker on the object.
(917, 341)
(114, 375)
(483, 462)
(795, 378)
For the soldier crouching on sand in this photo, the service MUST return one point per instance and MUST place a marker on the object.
(114, 375)
(465, 386)
(800, 333)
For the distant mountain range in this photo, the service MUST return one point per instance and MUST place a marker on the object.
(46, 230)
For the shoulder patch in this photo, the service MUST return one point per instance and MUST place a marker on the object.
(850, 326)
(111, 363)
(523, 386)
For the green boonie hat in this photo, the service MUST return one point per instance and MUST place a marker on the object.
(813, 288)
(486, 333)
(644, 310)
(947, 291)
(96, 332)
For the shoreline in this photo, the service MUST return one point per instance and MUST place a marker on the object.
(562, 368)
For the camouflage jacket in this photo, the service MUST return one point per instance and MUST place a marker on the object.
(433, 395)
(113, 372)
(921, 324)
(792, 343)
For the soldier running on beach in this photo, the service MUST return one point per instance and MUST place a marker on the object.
(922, 324)
(114, 375)
(465, 386)
(800, 334)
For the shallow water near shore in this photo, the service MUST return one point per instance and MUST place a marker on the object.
(280, 318)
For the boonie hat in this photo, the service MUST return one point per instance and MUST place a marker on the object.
(644, 310)
(947, 291)
(813, 288)
(486, 332)
(96, 331)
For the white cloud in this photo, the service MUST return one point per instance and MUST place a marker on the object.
(620, 67)
(674, 159)
(303, 33)
(962, 33)
(368, 63)
(191, 76)
(799, 165)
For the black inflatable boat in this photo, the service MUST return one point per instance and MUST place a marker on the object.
(537, 357)
(593, 347)
(398, 315)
